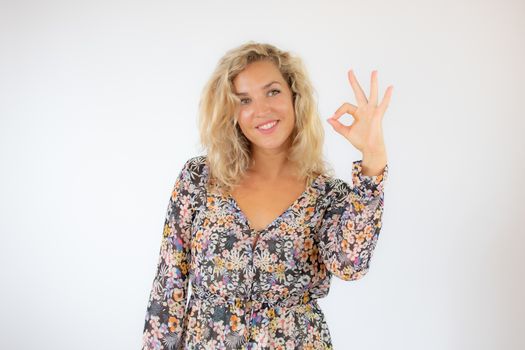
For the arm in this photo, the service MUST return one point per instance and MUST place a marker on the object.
(165, 314)
(351, 223)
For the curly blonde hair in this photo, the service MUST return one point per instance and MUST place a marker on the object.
(228, 150)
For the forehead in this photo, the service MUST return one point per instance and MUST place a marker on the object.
(256, 75)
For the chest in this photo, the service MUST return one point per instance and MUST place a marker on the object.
(261, 203)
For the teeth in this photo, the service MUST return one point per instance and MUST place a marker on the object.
(267, 126)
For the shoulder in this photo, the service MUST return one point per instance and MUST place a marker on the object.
(196, 163)
(195, 170)
(333, 188)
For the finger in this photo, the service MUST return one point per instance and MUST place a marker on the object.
(358, 91)
(345, 108)
(338, 126)
(386, 99)
(373, 88)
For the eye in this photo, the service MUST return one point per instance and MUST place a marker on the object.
(271, 91)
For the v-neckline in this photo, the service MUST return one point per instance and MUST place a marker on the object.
(274, 221)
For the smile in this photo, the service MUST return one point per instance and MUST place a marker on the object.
(268, 127)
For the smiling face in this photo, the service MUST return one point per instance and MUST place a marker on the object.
(266, 113)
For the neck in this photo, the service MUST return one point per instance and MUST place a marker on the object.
(270, 164)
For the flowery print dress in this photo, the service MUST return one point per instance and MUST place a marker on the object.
(261, 297)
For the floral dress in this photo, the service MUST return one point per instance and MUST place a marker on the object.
(257, 289)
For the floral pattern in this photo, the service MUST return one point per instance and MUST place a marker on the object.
(257, 289)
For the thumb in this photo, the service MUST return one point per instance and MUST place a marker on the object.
(337, 125)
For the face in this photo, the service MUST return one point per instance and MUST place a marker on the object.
(266, 113)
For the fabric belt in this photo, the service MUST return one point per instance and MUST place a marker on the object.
(253, 309)
(245, 302)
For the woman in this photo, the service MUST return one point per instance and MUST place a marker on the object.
(259, 224)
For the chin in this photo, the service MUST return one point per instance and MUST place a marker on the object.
(269, 145)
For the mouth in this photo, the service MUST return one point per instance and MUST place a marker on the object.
(268, 127)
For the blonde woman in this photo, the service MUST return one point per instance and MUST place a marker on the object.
(259, 224)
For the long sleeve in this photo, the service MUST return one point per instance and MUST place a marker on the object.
(351, 223)
(164, 319)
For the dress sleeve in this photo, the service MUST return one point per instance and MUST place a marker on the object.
(165, 314)
(351, 223)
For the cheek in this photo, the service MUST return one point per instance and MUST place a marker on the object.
(245, 114)
(245, 123)
(244, 119)
(284, 105)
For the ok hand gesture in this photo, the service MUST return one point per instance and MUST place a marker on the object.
(366, 132)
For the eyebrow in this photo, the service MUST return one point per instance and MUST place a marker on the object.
(264, 87)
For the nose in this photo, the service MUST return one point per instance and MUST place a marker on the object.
(261, 108)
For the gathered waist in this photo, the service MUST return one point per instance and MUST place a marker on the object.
(253, 302)
(253, 313)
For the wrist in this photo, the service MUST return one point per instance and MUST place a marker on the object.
(373, 164)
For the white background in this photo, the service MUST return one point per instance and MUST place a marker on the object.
(98, 107)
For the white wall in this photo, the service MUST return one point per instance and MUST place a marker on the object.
(98, 106)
